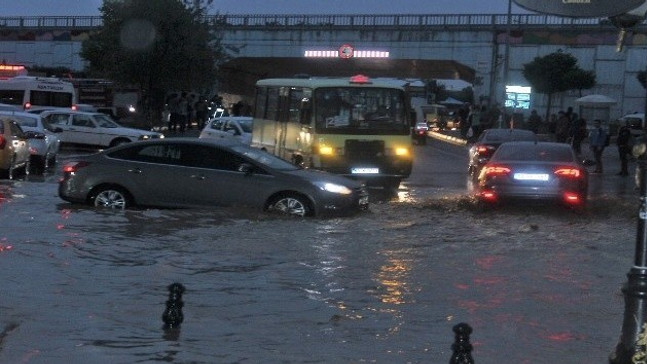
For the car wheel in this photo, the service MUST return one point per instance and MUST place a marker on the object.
(291, 205)
(111, 197)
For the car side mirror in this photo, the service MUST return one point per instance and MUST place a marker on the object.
(246, 168)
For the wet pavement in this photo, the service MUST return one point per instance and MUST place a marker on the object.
(537, 284)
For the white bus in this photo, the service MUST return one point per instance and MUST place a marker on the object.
(354, 126)
(31, 93)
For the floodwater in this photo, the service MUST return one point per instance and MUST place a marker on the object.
(537, 285)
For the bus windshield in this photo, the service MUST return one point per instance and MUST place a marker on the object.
(354, 110)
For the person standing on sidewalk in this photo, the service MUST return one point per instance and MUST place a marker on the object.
(597, 142)
(624, 143)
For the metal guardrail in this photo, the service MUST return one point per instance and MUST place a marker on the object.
(329, 21)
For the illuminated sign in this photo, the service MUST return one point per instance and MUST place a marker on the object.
(345, 51)
(518, 97)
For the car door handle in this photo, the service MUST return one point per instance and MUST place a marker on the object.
(135, 170)
(198, 177)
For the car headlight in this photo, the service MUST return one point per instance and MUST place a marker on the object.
(144, 137)
(334, 188)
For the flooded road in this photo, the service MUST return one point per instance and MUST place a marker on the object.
(538, 285)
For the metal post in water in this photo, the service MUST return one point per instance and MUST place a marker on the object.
(173, 316)
(635, 289)
(462, 349)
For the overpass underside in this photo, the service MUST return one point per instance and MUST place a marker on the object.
(239, 75)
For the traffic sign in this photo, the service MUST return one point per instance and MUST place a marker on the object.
(580, 8)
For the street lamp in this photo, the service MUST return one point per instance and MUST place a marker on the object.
(635, 289)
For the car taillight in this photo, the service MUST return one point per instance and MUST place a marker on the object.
(488, 195)
(485, 150)
(494, 170)
(3, 141)
(569, 172)
(73, 167)
(572, 198)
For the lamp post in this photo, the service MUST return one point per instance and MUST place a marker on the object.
(635, 289)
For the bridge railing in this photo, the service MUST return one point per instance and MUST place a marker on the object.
(314, 21)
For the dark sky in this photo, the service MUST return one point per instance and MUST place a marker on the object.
(90, 7)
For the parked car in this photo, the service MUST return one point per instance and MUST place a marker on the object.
(188, 172)
(14, 148)
(93, 129)
(236, 127)
(420, 133)
(488, 142)
(534, 171)
(43, 140)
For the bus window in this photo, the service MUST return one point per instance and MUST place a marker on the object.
(296, 95)
(272, 111)
(46, 98)
(261, 102)
(12, 97)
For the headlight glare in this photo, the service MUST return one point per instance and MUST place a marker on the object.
(334, 188)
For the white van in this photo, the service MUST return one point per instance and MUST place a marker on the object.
(34, 93)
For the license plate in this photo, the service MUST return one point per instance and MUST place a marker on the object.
(365, 170)
(531, 176)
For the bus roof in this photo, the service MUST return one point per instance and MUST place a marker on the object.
(353, 81)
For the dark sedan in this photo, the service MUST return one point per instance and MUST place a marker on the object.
(187, 172)
(488, 142)
(534, 171)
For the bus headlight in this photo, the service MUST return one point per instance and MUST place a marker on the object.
(325, 150)
(333, 187)
(402, 152)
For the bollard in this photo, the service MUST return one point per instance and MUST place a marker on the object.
(173, 316)
(461, 347)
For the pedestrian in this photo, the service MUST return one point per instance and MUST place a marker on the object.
(597, 142)
(183, 110)
(577, 133)
(174, 112)
(624, 143)
(201, 112)
(534, 121)
(562, 127)
(552, 124)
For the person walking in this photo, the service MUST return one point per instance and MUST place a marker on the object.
(597, 142)
(624, 143)
(577, 133)
(562, 127)
(534, 121)
(183, 110)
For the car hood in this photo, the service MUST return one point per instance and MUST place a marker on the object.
(130, 131)
(314, 175)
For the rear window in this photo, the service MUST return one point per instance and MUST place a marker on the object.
(507, 135)
(534, 152)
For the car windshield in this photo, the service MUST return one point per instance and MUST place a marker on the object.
(506, 135)
(534, 152)
(265, 158)
(352, 110)
(105, 121)
(25, 121)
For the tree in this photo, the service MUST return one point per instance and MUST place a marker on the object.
(158, 46)
(557, 72)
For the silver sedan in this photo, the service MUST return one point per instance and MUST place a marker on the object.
(192, 172)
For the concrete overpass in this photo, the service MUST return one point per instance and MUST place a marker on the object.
(467, 47)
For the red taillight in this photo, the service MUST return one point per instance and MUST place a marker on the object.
(485, 150)
(74, 107)
(572, 198)
(27, 105)
(74, 166)
(493, 170)
(568, 172)
(3, 141)
(488, 195)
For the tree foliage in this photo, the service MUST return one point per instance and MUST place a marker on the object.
(557, 72)
(158, 46)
